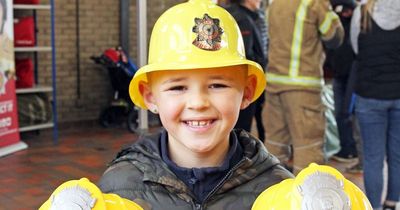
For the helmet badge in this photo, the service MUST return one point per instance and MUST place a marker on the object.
(208, 33)
(323, 191)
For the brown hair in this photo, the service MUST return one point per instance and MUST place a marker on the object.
(366, 13)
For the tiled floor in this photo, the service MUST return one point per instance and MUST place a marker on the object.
(28, 177)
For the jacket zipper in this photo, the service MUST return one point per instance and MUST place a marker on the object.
(219, 185)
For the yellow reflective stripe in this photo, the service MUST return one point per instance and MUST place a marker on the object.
(326, 24)
(298, 38)
(300, 80)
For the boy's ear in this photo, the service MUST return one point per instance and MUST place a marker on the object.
(249, 91)
(147, 95)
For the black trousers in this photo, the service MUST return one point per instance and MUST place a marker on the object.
(246, 117)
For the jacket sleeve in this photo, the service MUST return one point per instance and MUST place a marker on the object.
(329, 26)
(120, 179)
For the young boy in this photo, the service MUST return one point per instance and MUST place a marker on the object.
(197, 80)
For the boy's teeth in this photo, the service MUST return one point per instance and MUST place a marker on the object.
(198, 123)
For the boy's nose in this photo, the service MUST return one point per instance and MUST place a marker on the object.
(198, 100)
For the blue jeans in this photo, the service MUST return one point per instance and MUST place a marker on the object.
(343, 117)
(379, 122)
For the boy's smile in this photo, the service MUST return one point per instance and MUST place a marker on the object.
(198, 125)
(198, 108)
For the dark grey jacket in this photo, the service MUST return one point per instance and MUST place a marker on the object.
(139, 174)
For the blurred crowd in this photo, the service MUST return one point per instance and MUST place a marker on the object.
(349, 47)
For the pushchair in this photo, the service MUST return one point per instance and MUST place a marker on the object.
(120, 70)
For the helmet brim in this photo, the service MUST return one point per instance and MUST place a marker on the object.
(141, 75)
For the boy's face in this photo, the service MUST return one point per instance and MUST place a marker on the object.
(199, 108)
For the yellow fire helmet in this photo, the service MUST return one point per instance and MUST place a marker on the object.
(84, 195)
(197, 34)
(317, 187)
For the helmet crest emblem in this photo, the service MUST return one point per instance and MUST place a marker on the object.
(323, 191)
(208, 33)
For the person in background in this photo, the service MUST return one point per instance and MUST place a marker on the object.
(375, 37)
(342, 62)
(263, 27)
(197, 80)
(294, 110)
(251, 21)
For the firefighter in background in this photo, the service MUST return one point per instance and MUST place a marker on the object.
(293, 113)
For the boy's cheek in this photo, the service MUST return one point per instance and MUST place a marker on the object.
(169, 110)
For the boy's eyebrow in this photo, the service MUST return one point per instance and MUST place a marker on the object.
(215, 77)
(221, 77)
(176, 79)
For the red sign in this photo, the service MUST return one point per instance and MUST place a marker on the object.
(9, 133)
(8, 116)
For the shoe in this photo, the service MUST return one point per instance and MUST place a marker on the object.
(386, 207)
(355, 169)
(344, 158)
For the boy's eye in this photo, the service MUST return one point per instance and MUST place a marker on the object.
(218, 85)
(177, 88)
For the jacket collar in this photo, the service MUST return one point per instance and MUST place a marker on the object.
(145, 155)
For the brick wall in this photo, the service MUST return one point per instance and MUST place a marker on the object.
(99, 30)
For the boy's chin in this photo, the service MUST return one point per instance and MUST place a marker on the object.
(196, 148)
(202, 147)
